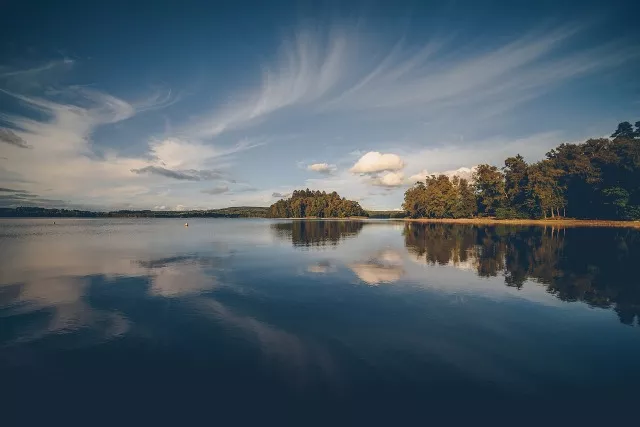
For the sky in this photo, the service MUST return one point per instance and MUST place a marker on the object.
(198, 105)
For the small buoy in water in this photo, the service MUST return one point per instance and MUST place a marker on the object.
(186, 224)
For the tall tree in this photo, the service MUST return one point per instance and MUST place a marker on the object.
(544, 190)
(624, 130)
(466, 205)
(415, 200)
(515, 182)
(489, 188)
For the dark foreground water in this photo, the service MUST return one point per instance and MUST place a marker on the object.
(234, 321)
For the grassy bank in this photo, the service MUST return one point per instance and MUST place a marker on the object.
(562, 222)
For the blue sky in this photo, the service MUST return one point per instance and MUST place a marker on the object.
(193, 105)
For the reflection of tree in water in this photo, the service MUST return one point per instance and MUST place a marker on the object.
(592, 265)
(316, 233)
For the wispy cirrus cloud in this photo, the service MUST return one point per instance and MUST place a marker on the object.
(220, 189)
(61, 156)
(332, 70)
(397, 102)
(6, 72)
(182, 175)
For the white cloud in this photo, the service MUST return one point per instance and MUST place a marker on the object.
(383, 267)
(339, 72)
(308, 66)
(59, 159)
(347, 69)
(420, 176)
(322, 168)
(389, 179)
(506, 75)
(374, 161)
(462, 172)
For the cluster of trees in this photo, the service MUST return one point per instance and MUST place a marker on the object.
(561, 259)
(307, 203)
(440, 197)
(36, 212)
(598, 179)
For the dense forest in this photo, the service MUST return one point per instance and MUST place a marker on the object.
(597, 179)
(307, 203)
(233, 212)
(561, 259)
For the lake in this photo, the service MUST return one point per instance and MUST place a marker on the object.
(241, 320)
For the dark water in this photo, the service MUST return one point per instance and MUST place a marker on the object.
(234, 321)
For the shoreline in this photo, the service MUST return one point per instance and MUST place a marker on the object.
(468, 221)
(535, 222)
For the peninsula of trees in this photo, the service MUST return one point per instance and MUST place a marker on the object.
(307, 203)
(597, 179)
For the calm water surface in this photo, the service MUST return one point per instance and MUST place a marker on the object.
(311, 321)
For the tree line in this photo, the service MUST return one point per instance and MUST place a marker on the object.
(307, 203)
(37, 212)
(597, 179)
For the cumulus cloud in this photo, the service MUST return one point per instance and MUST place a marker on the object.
(374, 161)
(220, 189)
(324, 168)
(389, 179)
(9, 137)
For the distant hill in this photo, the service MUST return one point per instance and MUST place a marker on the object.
(231, 212)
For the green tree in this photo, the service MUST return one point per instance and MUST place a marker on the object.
(415, 200)
(544, 192)
(516, 180)
(624, 130)
(307, 203)
(440, 196)
(489, 189)
(466, 204)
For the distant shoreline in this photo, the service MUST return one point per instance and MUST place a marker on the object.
(537, 222)
(471, 221)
